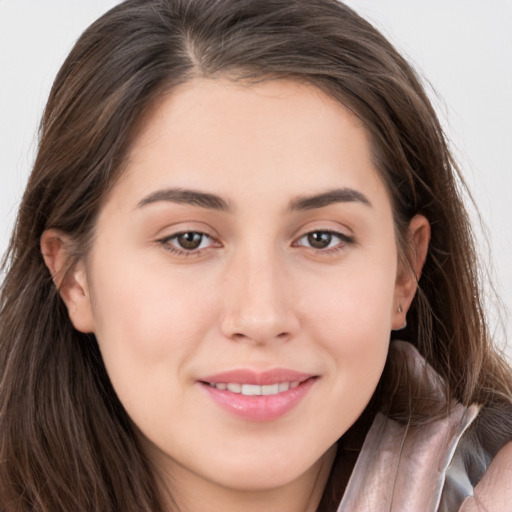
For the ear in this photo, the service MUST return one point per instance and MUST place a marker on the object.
(409, 272)
(71, 281)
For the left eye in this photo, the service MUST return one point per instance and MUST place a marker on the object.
(322, 240)
(189, 241)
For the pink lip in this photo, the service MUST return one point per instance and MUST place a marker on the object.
(258, 408)
(245, 376)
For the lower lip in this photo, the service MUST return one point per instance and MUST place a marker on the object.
(260, 407)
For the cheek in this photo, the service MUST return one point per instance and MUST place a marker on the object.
(354, 303)
(148, 327)
(351, 322)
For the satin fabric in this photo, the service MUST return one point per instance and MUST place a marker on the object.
(429, 467)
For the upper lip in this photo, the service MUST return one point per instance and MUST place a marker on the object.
(247, 376)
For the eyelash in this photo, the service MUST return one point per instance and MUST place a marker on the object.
(343, 241)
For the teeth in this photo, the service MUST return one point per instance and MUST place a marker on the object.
(251, 389)
(234, 387)
(254, 389)
(271, 389)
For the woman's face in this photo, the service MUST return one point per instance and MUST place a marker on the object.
(248, 248)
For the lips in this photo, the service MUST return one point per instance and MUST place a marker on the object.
(258, 396)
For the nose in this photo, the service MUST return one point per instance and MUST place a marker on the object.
(258, 300)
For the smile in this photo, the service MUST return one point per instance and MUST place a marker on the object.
(255, 389)
(255, 396)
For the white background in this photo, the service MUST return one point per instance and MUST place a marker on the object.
(463, 48)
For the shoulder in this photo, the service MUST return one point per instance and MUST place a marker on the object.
(493, 493)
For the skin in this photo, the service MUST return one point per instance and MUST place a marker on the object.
(255, 294)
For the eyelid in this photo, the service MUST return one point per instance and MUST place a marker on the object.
(170, 230)
(322, 223)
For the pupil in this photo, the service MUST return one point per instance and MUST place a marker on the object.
(190, 240)
(319, 239)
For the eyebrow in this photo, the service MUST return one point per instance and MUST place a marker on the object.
(339, 195)
(215, 202)
(186, 196)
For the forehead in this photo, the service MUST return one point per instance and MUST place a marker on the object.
(205, 104)
(274, 135)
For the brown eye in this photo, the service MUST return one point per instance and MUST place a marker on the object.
(319, 239)
(189, 241)
(323, 239)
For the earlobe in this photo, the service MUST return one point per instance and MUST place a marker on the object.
(69, 277)
(409, 274)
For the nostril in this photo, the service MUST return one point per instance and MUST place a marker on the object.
(260, 338)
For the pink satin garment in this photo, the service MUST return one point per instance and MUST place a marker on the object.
(420, 468)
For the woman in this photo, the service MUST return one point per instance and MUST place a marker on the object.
(233, 205)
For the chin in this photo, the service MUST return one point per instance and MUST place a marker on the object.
(263, 471)
(263, 477)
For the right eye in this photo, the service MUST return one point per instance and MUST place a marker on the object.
(187, 242)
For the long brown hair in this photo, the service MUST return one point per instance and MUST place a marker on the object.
(66, 442)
